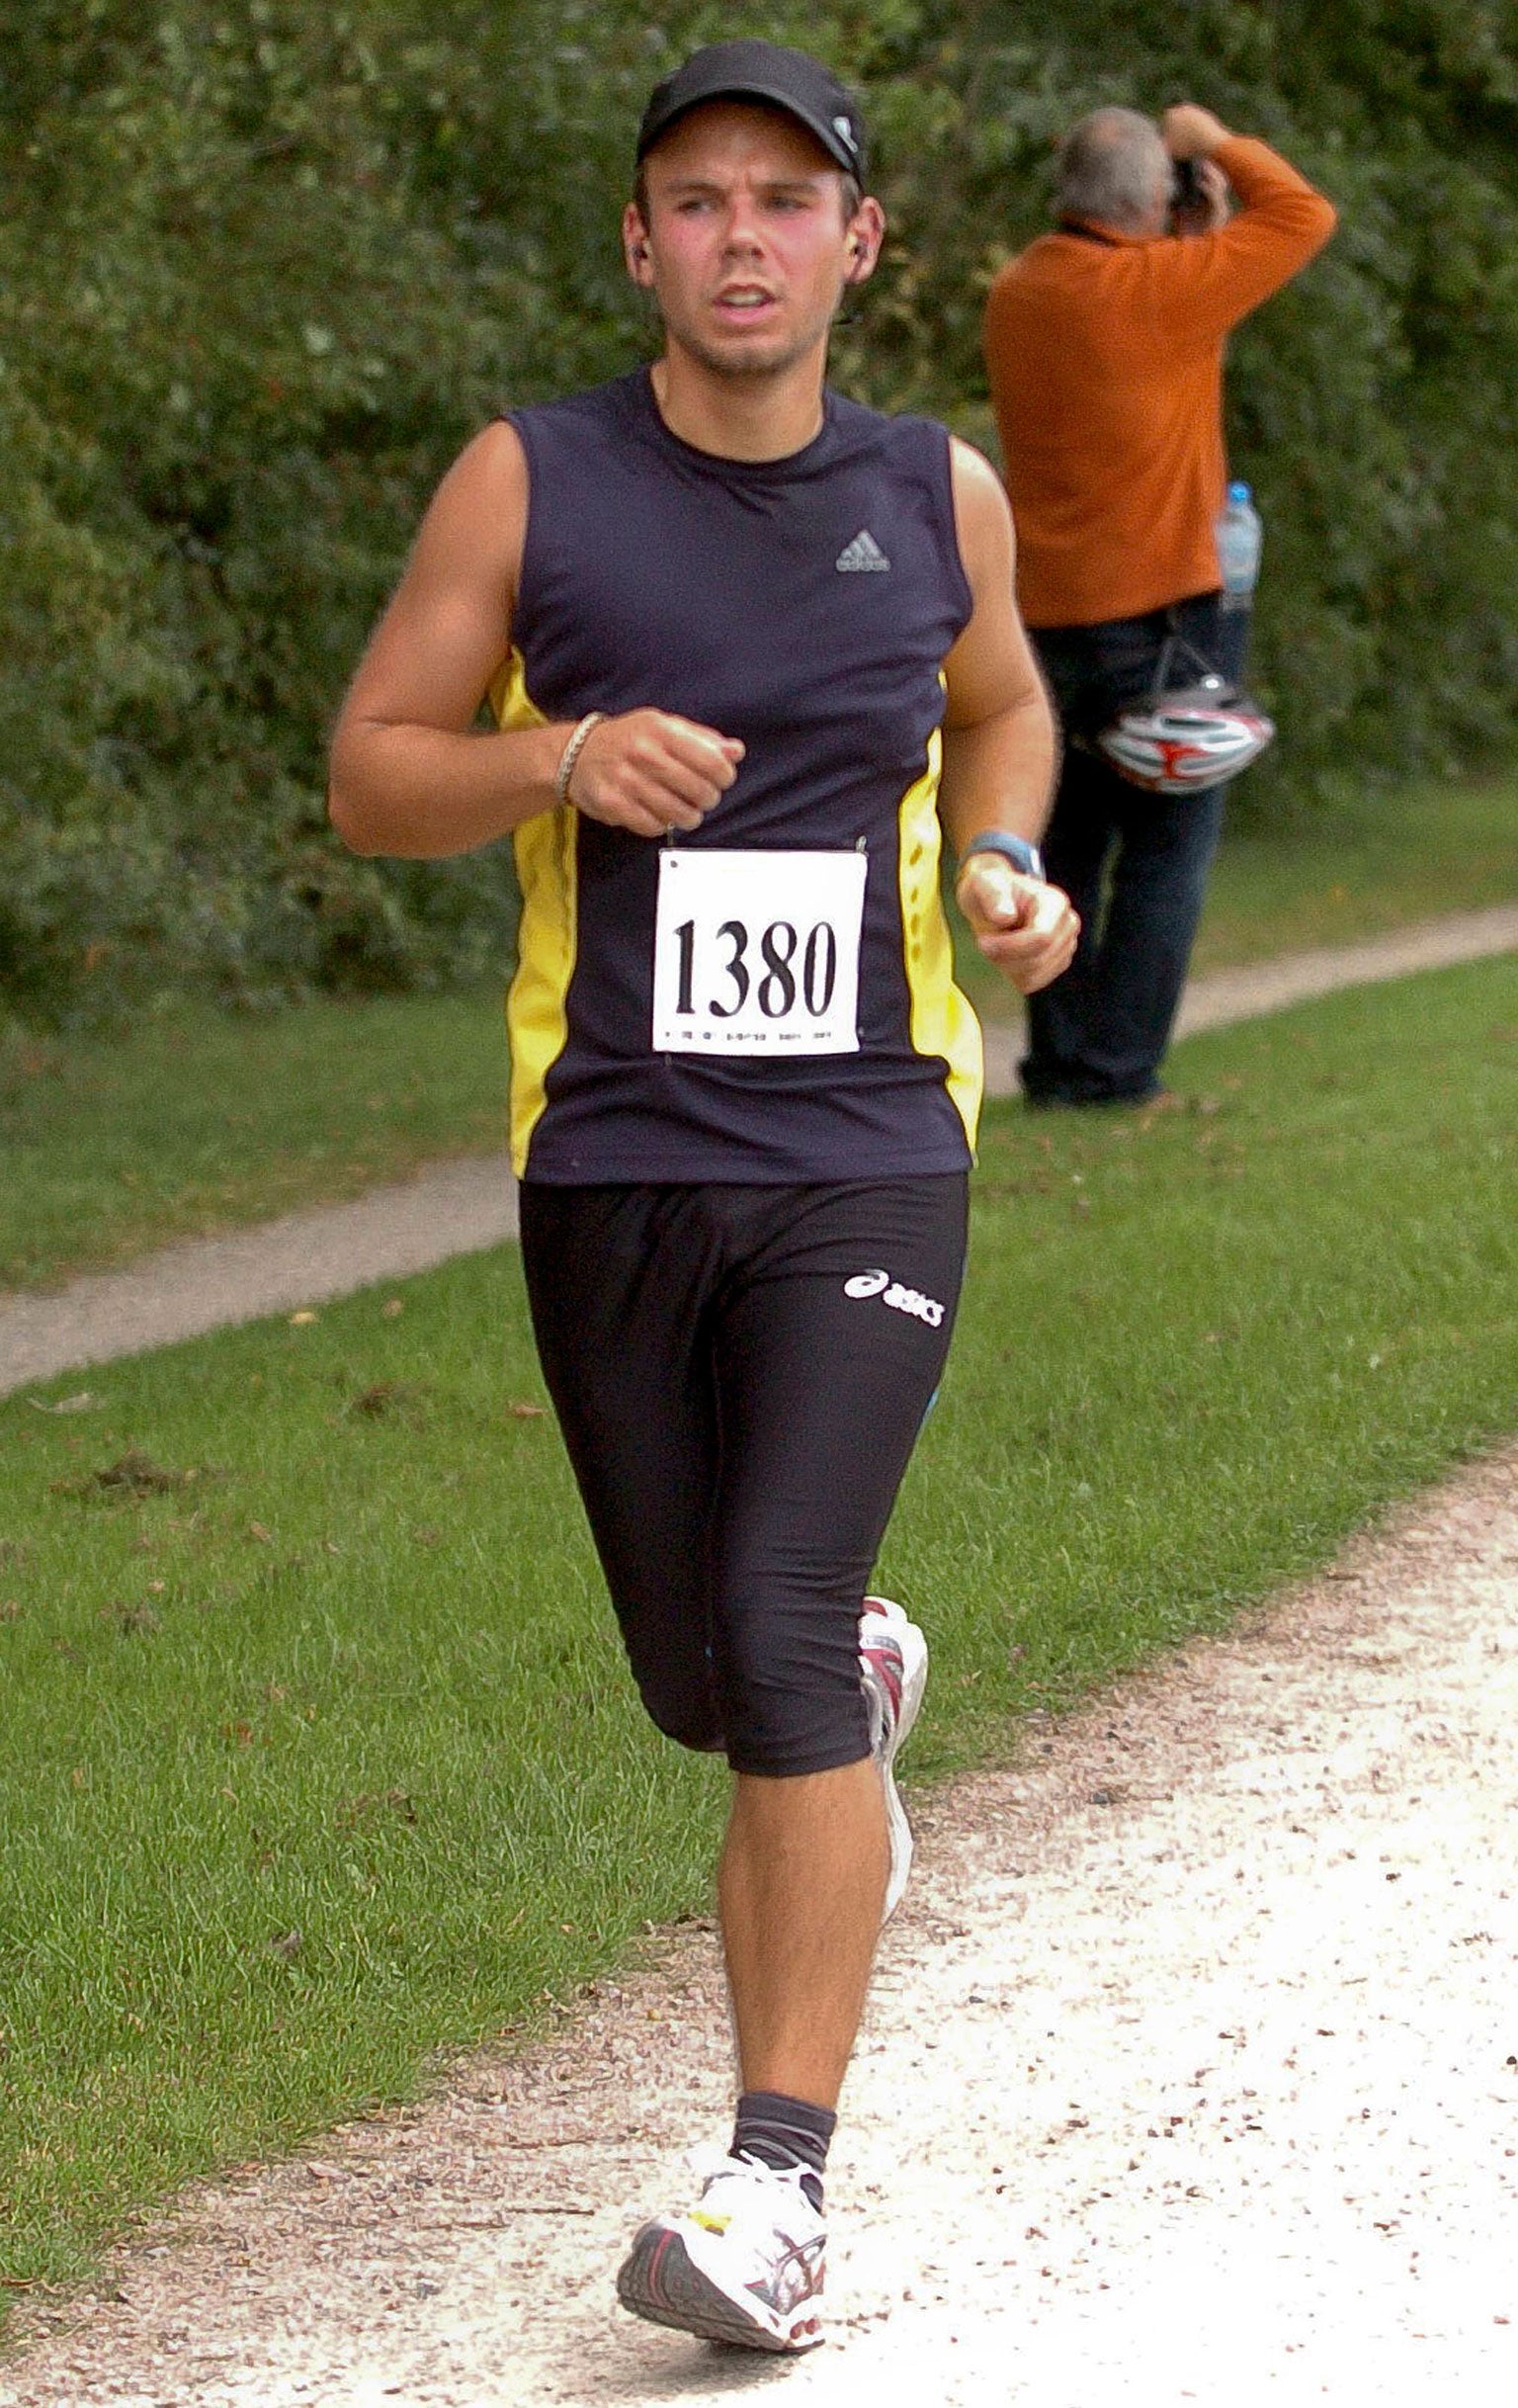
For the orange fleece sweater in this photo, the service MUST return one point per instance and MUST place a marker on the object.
(1106, 367)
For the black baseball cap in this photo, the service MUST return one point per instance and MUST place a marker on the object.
(762, 71)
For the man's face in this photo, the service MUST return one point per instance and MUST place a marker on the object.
(748, 249)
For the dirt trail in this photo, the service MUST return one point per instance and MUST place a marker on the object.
(463, 1207)
(302, 1259)
(1225, 996)
(1191, 2075)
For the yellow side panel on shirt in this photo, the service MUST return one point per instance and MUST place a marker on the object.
(942, 1020)
(537, 1002)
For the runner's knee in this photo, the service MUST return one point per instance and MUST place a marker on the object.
(689, 1722)
(674, 1680)
(788, 1683)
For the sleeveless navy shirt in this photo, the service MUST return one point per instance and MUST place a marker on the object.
(805, 605)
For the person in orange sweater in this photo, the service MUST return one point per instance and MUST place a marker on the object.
(1104, 344)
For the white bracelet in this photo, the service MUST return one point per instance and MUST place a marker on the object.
(571, 753)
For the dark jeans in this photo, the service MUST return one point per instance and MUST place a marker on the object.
(1133, 864)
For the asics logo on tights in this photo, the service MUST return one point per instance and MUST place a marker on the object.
(891, 1292)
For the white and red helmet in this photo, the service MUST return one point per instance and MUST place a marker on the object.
(1181, 743)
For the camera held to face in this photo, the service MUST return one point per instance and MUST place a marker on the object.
(1190, 204)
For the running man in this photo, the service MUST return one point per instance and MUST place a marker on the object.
(746, 644)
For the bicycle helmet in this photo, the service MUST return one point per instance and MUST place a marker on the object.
(1180, 744)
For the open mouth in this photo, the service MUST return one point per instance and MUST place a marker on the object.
(744, 305)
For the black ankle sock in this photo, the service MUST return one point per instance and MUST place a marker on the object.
(785, 2133)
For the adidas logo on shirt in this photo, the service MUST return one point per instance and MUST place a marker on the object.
(863, 553)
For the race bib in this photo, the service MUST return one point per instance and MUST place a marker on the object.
(757, 953)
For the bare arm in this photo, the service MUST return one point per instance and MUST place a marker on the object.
(999, 747)
(411, 774)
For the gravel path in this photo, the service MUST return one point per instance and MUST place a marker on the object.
(463, 1207)
(1191, 2075)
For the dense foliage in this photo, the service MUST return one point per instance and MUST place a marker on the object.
(265, 262)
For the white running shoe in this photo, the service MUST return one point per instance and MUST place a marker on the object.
(745, 2265)
(893, 1665)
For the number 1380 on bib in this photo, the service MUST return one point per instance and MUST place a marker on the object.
(757, 952)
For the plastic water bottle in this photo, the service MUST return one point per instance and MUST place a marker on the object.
(1240, 537)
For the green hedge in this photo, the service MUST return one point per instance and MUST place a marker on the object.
(264, 264)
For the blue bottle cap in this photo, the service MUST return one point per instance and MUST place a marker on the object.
(1239, 493)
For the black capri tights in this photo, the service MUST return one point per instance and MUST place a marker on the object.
(740, 1374)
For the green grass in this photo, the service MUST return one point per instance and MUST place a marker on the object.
(1384, 861)
(194, 1120)
(318, 1754)
(199, 1118)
